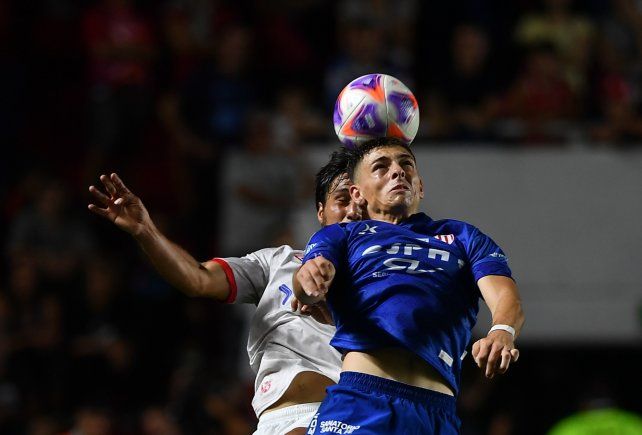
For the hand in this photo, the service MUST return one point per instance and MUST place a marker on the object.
(318, 311)
(121, 207)
(315, 277)
(495, 352)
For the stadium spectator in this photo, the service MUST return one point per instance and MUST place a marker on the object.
(155, 421)
(540, 100)
(35, 319)
(47, 232)
(616, 97)
(616, 89)
(102, 355)
(257, 210)
(206, 117)
(569, 33)
(281, 28)
(362, 38)
(598, 412)
(93, 420)
(121, 47)
(296, 121)
(466, 89)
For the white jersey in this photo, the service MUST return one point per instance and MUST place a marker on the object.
(281, 342)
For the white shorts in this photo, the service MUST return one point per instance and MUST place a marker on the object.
(284, 420)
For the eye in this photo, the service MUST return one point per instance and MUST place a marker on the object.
(378, 167)
(408, 164)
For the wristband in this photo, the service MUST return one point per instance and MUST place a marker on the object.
(506, 328)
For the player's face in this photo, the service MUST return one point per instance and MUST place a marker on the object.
(387, 181)
(339, 207)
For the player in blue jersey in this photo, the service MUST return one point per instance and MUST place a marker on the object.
(404, 290)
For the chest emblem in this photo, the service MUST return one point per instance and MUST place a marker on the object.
(446, 238)
(265, 386)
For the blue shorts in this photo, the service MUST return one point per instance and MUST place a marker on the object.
(365, 404)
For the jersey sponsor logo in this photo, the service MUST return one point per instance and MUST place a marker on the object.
(446, 238)
(336, 426)
(313, 424)
(368, 230)
(380, 274)
(407, 265)
(286, 291)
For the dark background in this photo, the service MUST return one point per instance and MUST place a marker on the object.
(92, 340)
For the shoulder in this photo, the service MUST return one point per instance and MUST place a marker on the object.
(275, 253)
(332, 231)
(457, 225)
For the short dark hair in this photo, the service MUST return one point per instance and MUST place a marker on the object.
(328, 174)
(356, 154)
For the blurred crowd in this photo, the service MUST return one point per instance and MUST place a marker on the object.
(196, 103)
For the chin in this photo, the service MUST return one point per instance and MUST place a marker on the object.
(400, 202)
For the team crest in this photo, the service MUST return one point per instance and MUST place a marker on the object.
(446, 238)
(265, 386)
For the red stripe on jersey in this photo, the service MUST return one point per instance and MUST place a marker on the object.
(229, 274)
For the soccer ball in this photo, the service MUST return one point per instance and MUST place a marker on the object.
(375, 105)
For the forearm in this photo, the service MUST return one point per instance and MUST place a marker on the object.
(503, 300)
(508, 310)
(179, 268)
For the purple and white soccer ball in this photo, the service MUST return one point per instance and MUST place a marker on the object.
(375, 105)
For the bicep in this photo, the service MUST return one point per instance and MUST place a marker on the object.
(495, 287)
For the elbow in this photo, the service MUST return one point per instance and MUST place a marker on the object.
(192, 291)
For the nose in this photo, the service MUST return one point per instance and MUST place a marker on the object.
(397, 171)
(353, 212)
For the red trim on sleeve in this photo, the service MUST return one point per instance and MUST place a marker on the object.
(229, 274)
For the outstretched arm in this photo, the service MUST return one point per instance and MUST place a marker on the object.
(496, 351)
(120, 206)
(312, 281)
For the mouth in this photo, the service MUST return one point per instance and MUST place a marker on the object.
(400, 188)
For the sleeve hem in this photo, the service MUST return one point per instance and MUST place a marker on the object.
(229, 274)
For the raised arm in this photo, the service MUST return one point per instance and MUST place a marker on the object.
(120, 206)
(496, 351)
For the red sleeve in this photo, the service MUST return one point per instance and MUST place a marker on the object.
(229, 274)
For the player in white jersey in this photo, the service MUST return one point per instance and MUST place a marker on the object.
(292, 372)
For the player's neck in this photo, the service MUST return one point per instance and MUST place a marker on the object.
(391, 215)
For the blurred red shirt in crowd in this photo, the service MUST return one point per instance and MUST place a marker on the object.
(120, 44)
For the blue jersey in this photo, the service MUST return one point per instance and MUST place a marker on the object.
(412, 284)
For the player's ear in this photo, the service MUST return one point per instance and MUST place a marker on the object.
(320, 213)
(421, 188)
(357, 197)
